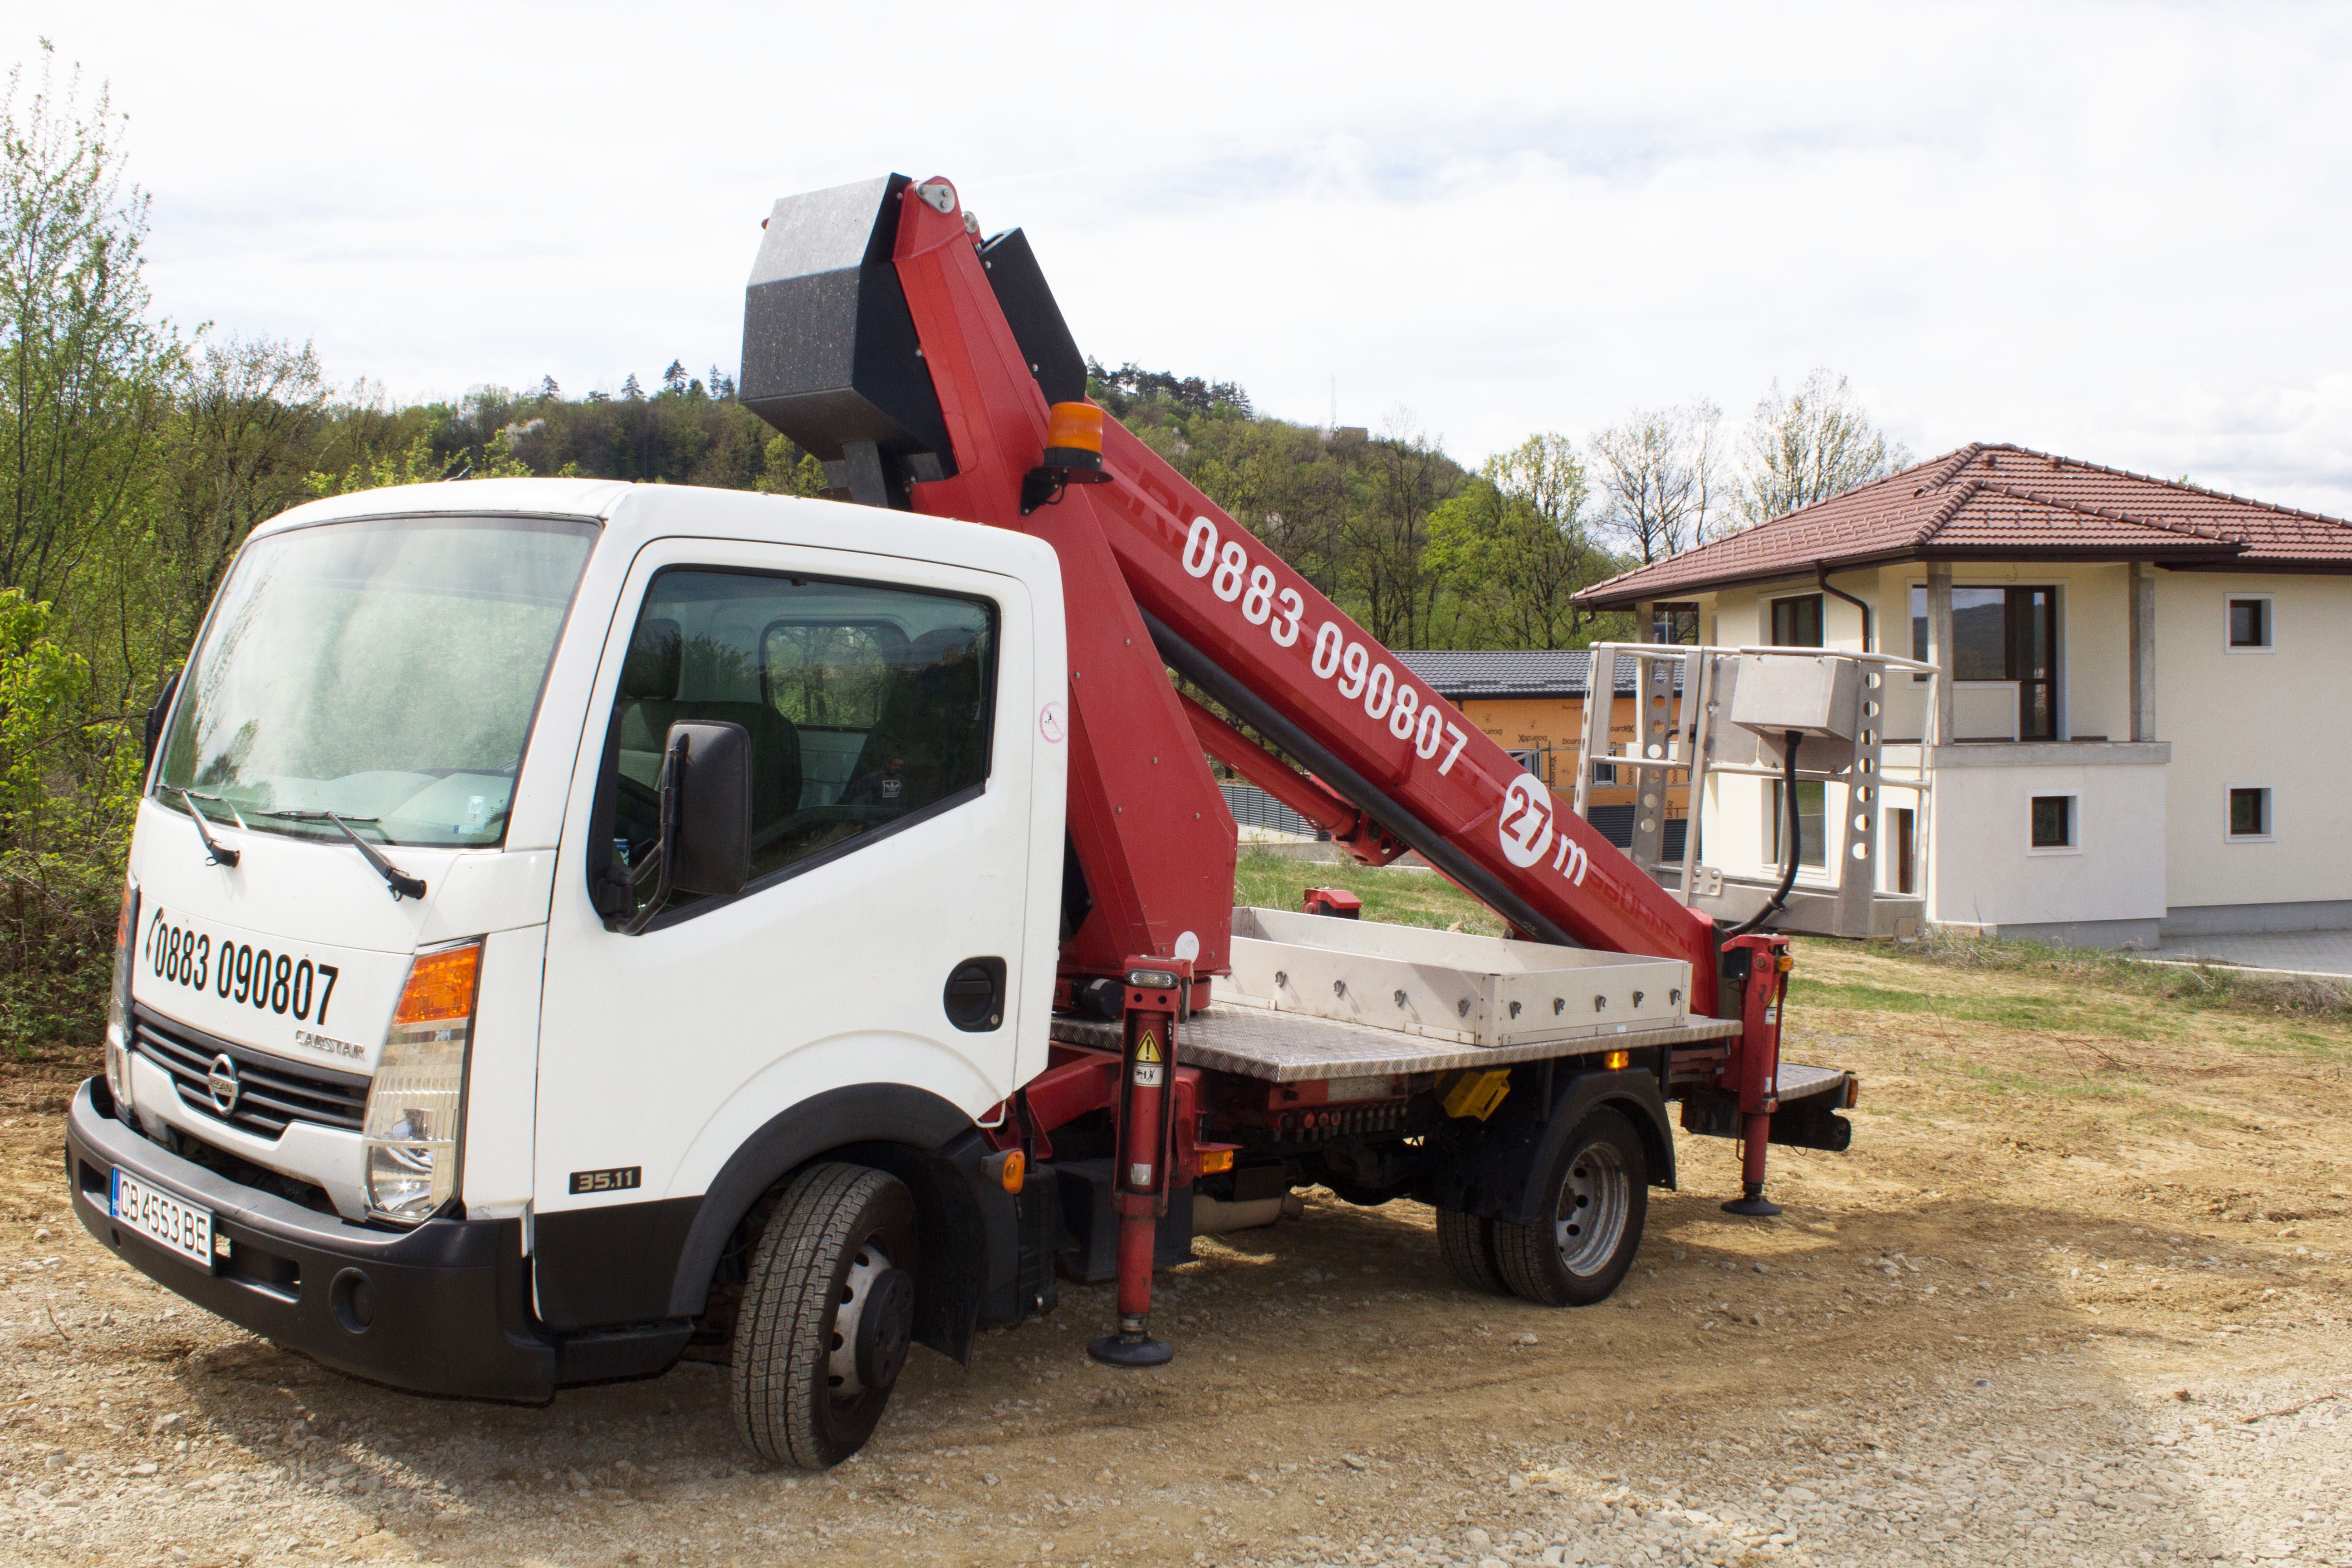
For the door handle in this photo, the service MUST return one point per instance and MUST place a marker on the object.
(974, 995)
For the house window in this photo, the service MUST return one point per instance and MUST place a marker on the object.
(1675, 624)
(2003, 634)
(2249, 812)
(1797, 622)
(2054, 823)
(1811, 820)
(2250, 622)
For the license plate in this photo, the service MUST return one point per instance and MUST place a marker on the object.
(162, 1219)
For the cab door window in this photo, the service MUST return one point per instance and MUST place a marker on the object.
(869, 707)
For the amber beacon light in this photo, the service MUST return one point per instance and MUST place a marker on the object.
(1074, 454)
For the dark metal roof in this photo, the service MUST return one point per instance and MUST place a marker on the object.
(1458, 674)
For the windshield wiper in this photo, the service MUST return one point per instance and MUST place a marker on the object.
(402, 884)
(221, 855)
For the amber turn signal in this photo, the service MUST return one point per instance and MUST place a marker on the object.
(440, 985)
(1008, 1168)
(1616, 1059)
(1215, 1160)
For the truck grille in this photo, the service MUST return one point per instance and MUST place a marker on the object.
(275, 1092)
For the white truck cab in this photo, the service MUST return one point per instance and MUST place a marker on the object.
(429, 1058)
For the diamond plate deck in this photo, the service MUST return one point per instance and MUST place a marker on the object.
(1292, 1047)
(1803, 1082)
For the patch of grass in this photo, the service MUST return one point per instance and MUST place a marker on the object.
(2199, 987)
(1856, 996)
(2009, 1081)
(2005, 1009)
(1399, 897)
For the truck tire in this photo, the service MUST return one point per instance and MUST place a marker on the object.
(826, 1316)
(1467, 1240)
(1597, 1197)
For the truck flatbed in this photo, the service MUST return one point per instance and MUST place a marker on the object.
(1296, 1048)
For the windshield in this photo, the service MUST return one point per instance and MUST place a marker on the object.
(385, 671)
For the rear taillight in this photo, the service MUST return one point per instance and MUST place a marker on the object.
(117, 1002)
(415, 1106)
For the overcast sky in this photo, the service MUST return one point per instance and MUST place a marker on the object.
(2115, 232)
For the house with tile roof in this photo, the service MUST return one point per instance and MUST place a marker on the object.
(2137, 730)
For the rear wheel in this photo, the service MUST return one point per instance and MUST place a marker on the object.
(827, 1313)
(1583, 1241)
(1467, 1240)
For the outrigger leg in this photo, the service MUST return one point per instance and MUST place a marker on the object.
(1156, 989)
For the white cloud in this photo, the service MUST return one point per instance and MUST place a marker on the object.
(2111, 231)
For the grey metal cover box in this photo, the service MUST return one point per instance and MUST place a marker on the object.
(1805, 692)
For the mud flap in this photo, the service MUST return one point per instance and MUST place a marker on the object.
(1092, 1224)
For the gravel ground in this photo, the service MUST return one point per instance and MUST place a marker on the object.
(2090, 1322)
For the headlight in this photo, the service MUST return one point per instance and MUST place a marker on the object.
(416, 1104)
(117, 1002)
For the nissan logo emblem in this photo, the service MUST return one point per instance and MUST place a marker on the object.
(222, 1082)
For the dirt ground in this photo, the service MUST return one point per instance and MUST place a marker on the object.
(2077, 1295)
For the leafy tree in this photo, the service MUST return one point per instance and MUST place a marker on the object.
(1662, 473)
(82, 370)
(1120, 389)
(418, 464)
(674, 378)
(785, 469)
(1406, 477)
(631, 390)
(1516, 543)
(547, 390)
(61, 848)
(1807, 445)
(235, 451)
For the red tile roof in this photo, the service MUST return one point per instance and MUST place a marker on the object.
(2001, 502)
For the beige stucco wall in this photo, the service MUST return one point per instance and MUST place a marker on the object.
(2234, 718)
(1986, 872)
(2273, 719)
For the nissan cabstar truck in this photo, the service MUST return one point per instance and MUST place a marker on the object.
(573, 926)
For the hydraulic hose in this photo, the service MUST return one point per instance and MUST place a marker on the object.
(1790, 836)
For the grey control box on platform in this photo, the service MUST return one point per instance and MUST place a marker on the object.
(1780, 692)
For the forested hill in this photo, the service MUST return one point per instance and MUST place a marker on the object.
(1424, 551)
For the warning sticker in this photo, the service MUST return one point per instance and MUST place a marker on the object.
(1147, 1049)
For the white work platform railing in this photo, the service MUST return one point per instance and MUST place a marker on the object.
(1684, 734)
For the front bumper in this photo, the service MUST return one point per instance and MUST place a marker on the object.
(444, 1309)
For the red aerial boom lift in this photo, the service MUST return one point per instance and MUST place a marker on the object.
(931, 369)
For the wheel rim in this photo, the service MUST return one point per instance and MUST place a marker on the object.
(841, 1361)
(1594, 1200)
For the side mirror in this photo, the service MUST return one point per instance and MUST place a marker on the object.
(709, 811)
(157, 714)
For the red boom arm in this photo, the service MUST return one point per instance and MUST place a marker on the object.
(1154, 574)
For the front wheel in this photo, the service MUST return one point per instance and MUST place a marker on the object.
(828, 1311)
(1584, 1238)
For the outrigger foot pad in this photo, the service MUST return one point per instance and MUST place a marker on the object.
(1131, 1351)
(1753, 1204)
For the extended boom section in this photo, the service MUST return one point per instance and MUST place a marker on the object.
(1159, 575)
